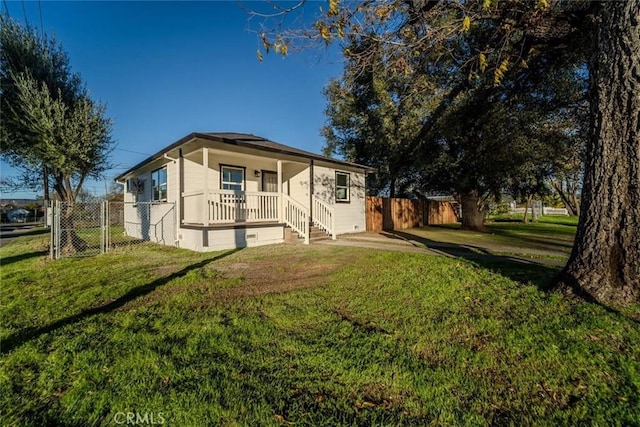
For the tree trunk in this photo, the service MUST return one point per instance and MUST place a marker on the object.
(575, 206)
(472, 212)
(392, 187)
(45, 183)
(526, 209)
(70, 241)
(568, 199)
(534, 215)
(605, 262)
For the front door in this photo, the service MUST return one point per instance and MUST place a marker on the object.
(270, 181)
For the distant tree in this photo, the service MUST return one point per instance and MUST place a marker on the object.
(115, 193)
(568, 171)
(85, 196)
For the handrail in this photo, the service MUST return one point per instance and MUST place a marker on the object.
(296, 216)
(323, 216)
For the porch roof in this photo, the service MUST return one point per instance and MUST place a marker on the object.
(243, 140)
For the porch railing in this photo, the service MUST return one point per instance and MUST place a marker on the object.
(228, 206)
(296, 216)
(323, 217)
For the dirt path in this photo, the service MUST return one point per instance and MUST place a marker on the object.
(495, 253)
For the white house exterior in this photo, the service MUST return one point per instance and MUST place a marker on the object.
(231, 190)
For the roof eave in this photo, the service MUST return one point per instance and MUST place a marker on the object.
(204, 136)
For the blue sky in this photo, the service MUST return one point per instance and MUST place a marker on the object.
(166, 69)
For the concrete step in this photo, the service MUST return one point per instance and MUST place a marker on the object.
(315, 234)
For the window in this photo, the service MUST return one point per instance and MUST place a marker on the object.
(232, 178)
(342, 186)
(159, 184)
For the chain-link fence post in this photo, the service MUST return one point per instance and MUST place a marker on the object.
(58, 224)
(102, 228)
(107, 226)
(52, 230)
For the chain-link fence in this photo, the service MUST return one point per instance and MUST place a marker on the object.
(86, 229)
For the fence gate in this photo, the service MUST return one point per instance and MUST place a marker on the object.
(93, 228)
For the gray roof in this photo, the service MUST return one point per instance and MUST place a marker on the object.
(245, 140)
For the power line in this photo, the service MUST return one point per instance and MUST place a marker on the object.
(6, 7)
(134, 152)
(24, 12)
(40, 13)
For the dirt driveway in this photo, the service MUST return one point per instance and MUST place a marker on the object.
(408, 241)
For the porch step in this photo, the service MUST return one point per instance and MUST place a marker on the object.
(315, 235)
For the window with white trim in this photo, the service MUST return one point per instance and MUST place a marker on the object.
(159, 184)
(343, 181)
(232, 178)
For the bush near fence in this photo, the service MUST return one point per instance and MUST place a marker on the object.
(399, 214)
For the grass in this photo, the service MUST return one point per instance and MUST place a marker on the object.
(551, 237)
(549, 219)
(297, 335)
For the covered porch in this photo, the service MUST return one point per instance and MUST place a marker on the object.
(222, 188)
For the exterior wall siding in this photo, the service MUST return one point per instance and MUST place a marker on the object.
(151, 222)
(193, 175)
(296, 184)
(349, 217)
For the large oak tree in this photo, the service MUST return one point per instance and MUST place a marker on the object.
(605, 262)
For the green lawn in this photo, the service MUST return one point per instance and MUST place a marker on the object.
(551, 237)
(297, 335)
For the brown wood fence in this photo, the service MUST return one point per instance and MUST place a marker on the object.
(399, 214)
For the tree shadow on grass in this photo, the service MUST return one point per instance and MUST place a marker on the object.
(524, 271)
(21, 337)
(515, 268)
(17, 258)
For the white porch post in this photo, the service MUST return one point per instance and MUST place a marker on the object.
(280, 198)
(205, 195)
(178, 205)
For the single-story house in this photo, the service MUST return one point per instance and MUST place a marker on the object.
(229, 190)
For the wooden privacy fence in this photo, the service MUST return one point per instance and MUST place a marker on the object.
(399, 214)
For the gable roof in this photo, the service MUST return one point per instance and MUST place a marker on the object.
(244, 140)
